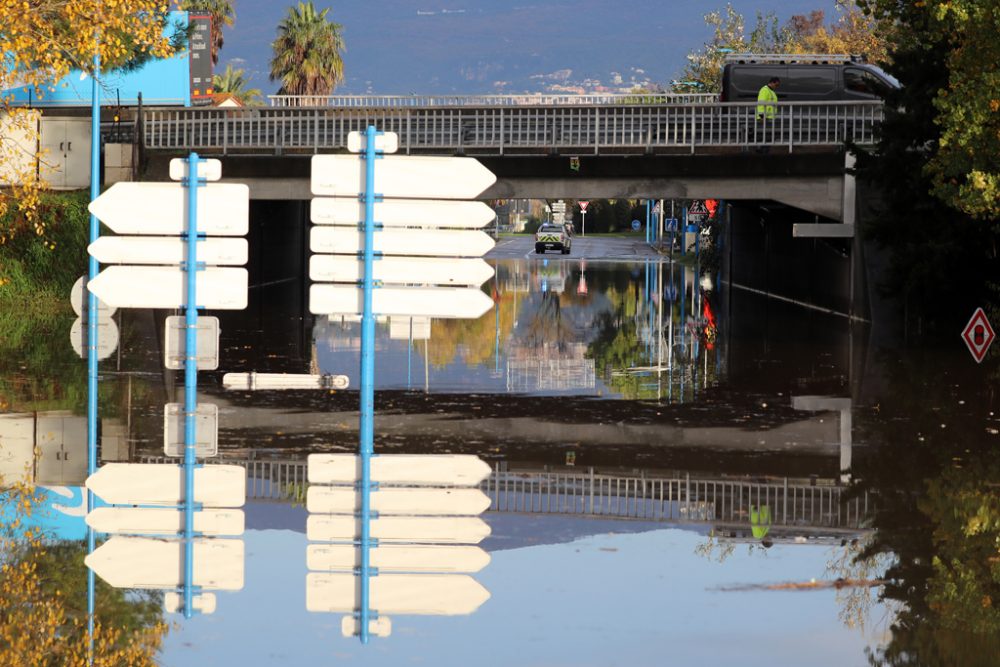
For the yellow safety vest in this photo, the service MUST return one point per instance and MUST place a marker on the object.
(765, 108)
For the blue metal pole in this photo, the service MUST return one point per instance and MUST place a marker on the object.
(366, 444)
(92, 269)
(190, 379)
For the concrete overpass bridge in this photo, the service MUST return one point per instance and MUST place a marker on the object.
(612, 146)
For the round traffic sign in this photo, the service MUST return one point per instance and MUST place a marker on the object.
(107, 337)
(77, 300)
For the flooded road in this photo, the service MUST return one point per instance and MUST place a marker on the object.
(678, 474)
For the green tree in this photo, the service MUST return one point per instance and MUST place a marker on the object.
(232, 82)
(307, 52)
(222, 14)
(703, 72)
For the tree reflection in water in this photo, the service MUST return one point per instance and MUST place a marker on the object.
(43, 600)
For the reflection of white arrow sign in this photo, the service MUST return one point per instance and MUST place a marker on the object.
(403, 212)
(389, 500)
(165, 287)
(448, 302)
(422, 242)
(400, 469)
(401, 270)
(166, 250)
(161, 208)
(163, 484)
(153, 521)
(143, 562)
(419, 177)
(417, 529)
(264, 381)
(398, 558)
(444, 595)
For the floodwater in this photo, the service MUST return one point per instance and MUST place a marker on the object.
(681, 474)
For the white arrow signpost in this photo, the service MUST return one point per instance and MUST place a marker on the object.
(173, 262)
(423, 519)
(406, 286)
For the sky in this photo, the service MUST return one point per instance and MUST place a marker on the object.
(603, 598)
(498, 46)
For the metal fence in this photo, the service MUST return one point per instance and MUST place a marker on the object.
(531, 130)
(423, 101)
(676, 499)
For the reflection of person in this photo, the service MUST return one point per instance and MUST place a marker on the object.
(760, 524)
(766, 98)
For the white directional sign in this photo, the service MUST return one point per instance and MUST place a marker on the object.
(203, 603)
(443, 594)
(154, 521)
(107, 336)
(403, 212)
(161, 208)
(207, 343)
(165, 287)
(206, 422)
(78, 300)
(416, 529)
(419, 177)
(446, 302)
(400, 469)
(163, 484)
(389, 500)
(401, 270)
(398, 558)
(144, 562)
(167, 250)
(420, 242)
(262, 381)
(209, 169)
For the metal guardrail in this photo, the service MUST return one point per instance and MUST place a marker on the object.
(676, 499)
(423, 101)
(573, 130)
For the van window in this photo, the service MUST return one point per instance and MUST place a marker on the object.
(862, 81)
(809, 81)
(746, 81)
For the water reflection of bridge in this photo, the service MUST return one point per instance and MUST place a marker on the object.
(797, 507)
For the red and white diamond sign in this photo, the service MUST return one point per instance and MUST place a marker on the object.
(978, 335)
(583, 205)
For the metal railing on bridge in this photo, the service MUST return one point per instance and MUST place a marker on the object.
(678, 498)
(541, 99)
(528, 130)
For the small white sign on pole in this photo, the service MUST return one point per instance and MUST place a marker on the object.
(208, 169)
(206, 430)
(175, 342)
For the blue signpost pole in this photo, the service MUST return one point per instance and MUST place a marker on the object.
(366, 444)
(190, 377)
(684, 227)
(92, 269)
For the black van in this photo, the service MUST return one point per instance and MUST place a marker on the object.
(804, 78)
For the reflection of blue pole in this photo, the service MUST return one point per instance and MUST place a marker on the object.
(647, 221)
(496, 339)
(190, 377)
(92, 268)
(366, 444)
(683, 296)
(684, 227)
(409, 357)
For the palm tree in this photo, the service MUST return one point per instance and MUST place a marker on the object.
(222, 14)
(232, 81)
(307, 58)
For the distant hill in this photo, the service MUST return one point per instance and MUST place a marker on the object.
(499, 46)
